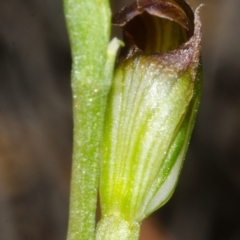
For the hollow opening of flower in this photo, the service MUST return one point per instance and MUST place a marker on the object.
(154, 26)
(152, 34)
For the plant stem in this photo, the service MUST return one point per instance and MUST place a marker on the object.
(114, 227)
(88, 23)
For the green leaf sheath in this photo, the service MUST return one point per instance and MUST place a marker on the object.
(88, 23)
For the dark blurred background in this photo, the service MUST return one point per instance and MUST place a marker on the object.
(36, 129)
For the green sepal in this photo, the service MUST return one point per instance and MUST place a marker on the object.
(176, 153)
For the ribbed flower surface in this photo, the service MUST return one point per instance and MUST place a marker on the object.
(151, 107)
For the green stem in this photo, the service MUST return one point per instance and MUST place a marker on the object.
(114, 227)
(88, 23)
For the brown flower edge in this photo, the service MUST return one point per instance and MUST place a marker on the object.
(146, 22)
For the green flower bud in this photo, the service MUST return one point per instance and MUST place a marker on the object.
(151, 109)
